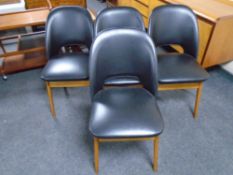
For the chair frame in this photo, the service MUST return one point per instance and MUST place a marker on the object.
(97, 141)
(178, 86)
(198, 85)
(65, 84)
(62, 84)
(98, 83)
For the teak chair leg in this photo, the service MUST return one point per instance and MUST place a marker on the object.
(198, 98)
(96, 155)
(156, 152)
(51, 103)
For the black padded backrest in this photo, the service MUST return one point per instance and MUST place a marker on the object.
(122, 52)
(68, 25)
(175, 24)
(119, 17)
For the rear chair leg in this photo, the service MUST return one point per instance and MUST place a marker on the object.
(51, 103)
(96, 155)
(66, 91)
(156, 152)
(198, 98)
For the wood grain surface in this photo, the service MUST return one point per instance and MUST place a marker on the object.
(5, 2)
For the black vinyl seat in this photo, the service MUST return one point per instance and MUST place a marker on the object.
(119, 18)
(124, 113)
(66, 67)
(177, 25)
(67, 27)
(180, 68)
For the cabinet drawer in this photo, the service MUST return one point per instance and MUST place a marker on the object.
(144, 10)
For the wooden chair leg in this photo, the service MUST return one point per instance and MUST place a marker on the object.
(198, 98)
(51, 103)
(156, 152)
(96, 155)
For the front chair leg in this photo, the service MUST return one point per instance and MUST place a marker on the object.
(96, 154)
(156, 152)
(198, 98)
(51, 103)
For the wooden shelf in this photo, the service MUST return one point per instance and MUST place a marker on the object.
(22, 19)
(30, 52)
(31, 41)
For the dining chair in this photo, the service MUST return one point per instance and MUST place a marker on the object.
(173, 25)
(67, 26)
(119, 18)
(124, 113)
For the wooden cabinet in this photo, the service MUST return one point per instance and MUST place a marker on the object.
(215, 19)
(42, 3)
(111, 3)
(124, 2)
(143, 8)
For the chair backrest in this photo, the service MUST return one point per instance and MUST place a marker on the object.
(123, 52)
(119, 17)
(68, 25)
(175, 24)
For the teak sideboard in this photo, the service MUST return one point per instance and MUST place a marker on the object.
(215, 19)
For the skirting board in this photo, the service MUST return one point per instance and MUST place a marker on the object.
(228, 67)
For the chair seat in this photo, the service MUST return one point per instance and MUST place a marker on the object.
(122, 80)
(180, 68)
(125, 113)
(67, 67)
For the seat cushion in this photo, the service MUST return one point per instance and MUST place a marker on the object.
(125, 113)
(69, 66)
(180, 68)
(122, 80)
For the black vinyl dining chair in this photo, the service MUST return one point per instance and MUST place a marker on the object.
(177, 25)
(119, 18)
(124, 113)
(66, 27)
